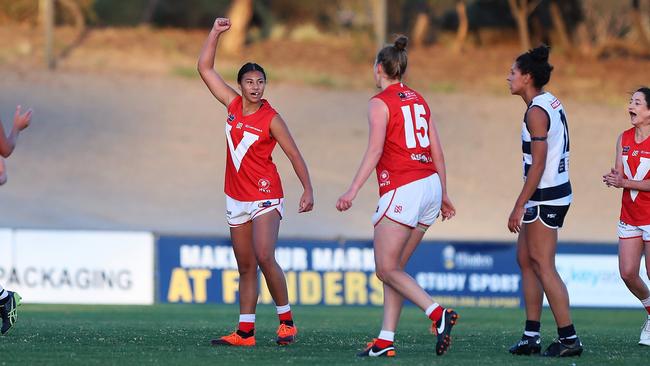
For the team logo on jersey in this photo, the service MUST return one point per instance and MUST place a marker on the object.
(231, 117)
(264, 185)
(556, 103)
(626, 149)
(407, 95)
(384, 178)
(264, 204)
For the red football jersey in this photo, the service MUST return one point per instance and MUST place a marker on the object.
(407, 152)
(635, 208)
(250, 172)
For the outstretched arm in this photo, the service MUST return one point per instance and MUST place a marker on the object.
(377, 120)
(8, 142)
(222, 91)
(280, 132)
(447, 208)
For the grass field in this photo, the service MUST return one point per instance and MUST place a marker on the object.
(180, 334)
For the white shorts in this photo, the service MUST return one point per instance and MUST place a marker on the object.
(241, 212)
(414, 204)
(626, 231)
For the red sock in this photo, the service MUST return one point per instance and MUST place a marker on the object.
(382, 343)
(246, 327)
(436, 314)
(647, 308)
(286, 316)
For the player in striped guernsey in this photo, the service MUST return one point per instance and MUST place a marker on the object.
(10, 300)
(631, 172)
(542, 204)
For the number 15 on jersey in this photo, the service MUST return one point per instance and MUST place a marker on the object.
(418, 127)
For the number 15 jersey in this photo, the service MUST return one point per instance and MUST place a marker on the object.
(407, 153)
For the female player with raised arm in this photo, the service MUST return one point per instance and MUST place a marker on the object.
(9, 300)
(630, 172)
(404, 150)
(254, 197)
(542, 204)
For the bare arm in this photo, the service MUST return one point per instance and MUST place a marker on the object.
(537, 126)
(8, 142)
(222, 91)
(280, 132)
(447, 208)
(377, 120)
(616, 177)
(3, 172)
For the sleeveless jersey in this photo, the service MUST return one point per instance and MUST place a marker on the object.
(554, 188)
(250, 172)
(407, 155)
(635, 207)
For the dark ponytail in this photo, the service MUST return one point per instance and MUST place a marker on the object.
(535, 63)
(393, 58)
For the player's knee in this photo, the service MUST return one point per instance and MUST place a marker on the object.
(629, 275)
(248, 268)
(265, 260)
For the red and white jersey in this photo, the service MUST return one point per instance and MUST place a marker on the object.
(407, 152)
(635, 208)
(250, 172)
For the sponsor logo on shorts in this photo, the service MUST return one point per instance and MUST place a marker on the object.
(228, 212)
(551, 215)
(264, 204)
(264, 185)
(398, 209)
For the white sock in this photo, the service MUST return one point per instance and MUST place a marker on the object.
(530, 334)
(387, 335)
(247, 318)
(431, 308)
(645, 302)
(283, 309)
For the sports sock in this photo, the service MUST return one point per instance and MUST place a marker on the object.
(434, 312)
(4, 296)
(567, 334)
(385, 339)
(646, 304)
(284, 314)
(532, 328)
(246, 325)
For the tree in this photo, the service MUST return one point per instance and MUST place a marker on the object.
(637, 20)
(463, 27)
(521, 10)
(560, 27)
(240, 14)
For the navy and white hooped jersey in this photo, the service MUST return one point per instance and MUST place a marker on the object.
(554, 188)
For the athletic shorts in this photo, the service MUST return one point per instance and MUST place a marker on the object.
(413, 204)
(626, 231)
(551, 216)
(241, 212)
